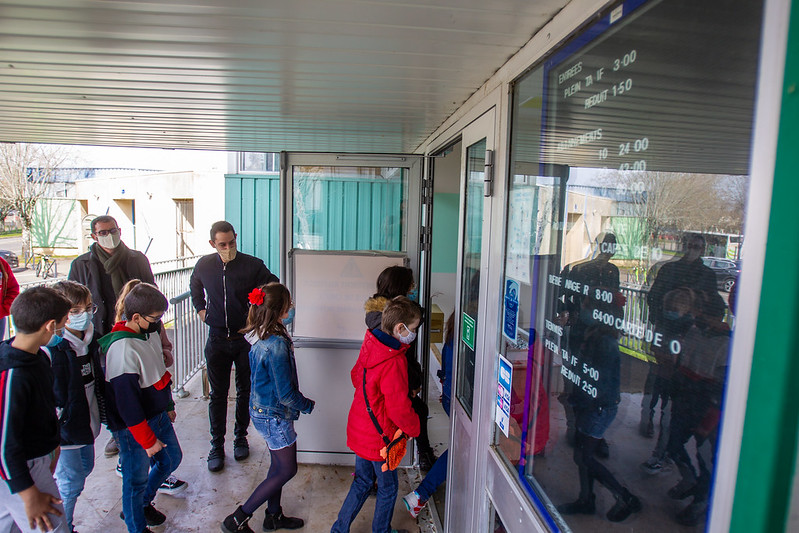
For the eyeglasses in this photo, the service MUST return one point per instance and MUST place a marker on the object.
(154, 318)
(105, 232)
(78, 310)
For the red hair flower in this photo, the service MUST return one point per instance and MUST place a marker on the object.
(256, 296)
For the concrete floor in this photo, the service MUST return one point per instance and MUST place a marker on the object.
(315, 494)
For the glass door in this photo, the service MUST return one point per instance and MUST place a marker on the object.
(350, 216)
(475, 231)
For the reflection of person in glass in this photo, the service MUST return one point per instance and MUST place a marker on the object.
(595, 402)
(697, 393)
(690, 272)
(591, 273)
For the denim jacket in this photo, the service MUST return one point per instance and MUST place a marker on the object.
(275, 391)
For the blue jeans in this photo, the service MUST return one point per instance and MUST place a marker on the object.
(74, 466)
(140, 481)
(277, 433)
(434, 478)
(365, 474)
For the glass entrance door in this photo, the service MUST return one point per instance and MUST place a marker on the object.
(463, 495)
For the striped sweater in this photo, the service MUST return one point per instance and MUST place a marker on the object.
(137, 382)
(28, 422)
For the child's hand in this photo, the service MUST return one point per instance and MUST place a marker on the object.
(172, 415)
(155, 448)
(37, 505)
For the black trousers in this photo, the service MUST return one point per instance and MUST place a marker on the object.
(221, 354)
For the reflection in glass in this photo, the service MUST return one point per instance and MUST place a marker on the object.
(349, 208)
(624, 242)
(470, 272)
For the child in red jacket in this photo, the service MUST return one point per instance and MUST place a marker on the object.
(382, 367)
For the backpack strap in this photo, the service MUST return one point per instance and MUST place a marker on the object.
(371, 414)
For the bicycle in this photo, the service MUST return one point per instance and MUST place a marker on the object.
(46, 267)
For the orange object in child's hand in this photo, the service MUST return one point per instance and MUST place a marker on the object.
(394, 451)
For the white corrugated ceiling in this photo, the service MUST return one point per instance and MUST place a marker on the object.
(317, 75)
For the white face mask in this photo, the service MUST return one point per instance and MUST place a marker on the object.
(409, 338)
(109, 241)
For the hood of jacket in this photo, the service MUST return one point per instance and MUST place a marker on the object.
(378, 347)
(11, 357)
(374, 311)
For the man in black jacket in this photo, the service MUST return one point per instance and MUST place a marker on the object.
(219, 285)
(105, 269)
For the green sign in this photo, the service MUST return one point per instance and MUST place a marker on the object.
(467, 331)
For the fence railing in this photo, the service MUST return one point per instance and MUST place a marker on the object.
(636, 323)
(189, 345)
(174, 264)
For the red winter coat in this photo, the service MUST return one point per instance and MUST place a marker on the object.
(9, 290)
(387, 389)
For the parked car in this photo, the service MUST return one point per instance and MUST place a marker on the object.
(726, 271)
(10, 257)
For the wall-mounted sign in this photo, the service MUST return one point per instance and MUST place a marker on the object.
(504, 375)
(468, 330)
(510, 318)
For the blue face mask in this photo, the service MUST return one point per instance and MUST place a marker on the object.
(56, 338)
(80, 322)
(289, 319)
(414, 294)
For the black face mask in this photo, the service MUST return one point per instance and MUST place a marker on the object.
(152, 327)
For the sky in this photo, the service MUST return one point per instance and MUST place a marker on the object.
(149, 158)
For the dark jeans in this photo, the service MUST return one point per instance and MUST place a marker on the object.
(141, 475)
(422, 411)
(365, 474)
(434, 478)
(220, 355)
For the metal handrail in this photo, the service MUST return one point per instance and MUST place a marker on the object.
(189, 346)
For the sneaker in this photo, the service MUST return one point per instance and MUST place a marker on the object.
(172, 486)
(111, 447)
(153, 516)
(216, 459)
(118, 469)
(625, 506)
(277, 521)
(426, 460)
(237, 522)
(413, 503)
(580, 506)
(241, 449)
(654, 467)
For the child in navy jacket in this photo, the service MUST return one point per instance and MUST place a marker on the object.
(138, 399)
(78, 391)
(28, 423)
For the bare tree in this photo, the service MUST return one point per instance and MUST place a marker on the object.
(26, 170)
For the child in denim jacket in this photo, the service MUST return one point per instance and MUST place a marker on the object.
(275, 403)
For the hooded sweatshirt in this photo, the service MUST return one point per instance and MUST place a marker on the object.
(383, 358)
(137, 382)
(28, 422)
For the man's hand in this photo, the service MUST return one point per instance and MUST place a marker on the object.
(172, 416)
(155, 448)
(202, 314)
(37, 505)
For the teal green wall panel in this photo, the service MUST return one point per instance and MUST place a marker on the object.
(768, 447)
(252, 205)
(445, 233)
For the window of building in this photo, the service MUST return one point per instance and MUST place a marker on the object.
(630, 147)
(259, 162)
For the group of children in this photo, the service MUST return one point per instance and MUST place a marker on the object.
(58, 384)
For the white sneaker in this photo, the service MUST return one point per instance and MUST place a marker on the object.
(172, 486)
(413, 503)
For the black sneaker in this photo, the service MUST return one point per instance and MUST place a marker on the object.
(241, 449)
(216, 459)
(172, 486)
(625, 506)
(276, 521)
(152, 516)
